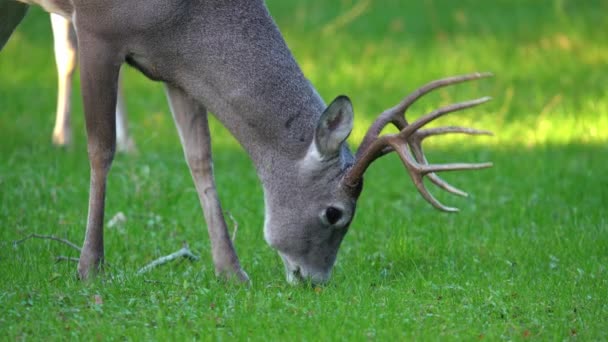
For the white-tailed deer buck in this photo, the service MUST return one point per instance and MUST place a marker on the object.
(228, 57)
(66, 49)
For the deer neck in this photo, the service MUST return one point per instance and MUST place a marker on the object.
(276, 131)
(247, 77)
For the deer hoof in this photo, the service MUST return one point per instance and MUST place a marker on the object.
(126, 145)
(89, 266)
(62, 139)
(233, 275)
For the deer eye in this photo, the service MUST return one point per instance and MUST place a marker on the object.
(333, 215)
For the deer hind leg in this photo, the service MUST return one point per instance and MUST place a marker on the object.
(193, 128)
(99, 67)
(64, 39)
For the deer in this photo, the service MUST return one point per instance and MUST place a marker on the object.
(228, 57)
(66, 50)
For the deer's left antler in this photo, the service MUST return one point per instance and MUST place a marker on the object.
(408, 142)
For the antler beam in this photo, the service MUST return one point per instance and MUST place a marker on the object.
(408, 142)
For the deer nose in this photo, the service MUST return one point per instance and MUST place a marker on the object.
(298, 276)
(319, 278)
(296, 273)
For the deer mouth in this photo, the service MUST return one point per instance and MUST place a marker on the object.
(293, 272)
(296, 274)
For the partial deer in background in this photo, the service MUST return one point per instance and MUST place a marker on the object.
(66, 51)
(229, 58)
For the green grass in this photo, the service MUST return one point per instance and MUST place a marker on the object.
(525, 258)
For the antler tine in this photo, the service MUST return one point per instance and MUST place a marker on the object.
(376, 148)
(424, 133)
(416, 125)
(446, 186)
(408, 142)
(416, 176)
(416, 146)
(420, 158)
(418, 171)
(395, 114)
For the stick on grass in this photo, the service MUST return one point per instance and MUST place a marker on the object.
(61, 258)
(235, 226)
(184, 252)
(47, 237)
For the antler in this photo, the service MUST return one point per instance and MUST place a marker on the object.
(408, 142)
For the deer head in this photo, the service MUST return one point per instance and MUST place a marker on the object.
(307, 229)
(329, 179)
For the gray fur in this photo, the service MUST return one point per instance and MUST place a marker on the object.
(227, 57)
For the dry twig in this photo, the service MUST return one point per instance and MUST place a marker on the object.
(235, 225)
(184, 252)
(47, 237)
(60, 258)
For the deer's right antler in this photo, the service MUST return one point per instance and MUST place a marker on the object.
(408, 142)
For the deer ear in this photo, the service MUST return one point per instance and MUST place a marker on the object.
(334, 126)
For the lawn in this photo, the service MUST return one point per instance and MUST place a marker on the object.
(525, 258)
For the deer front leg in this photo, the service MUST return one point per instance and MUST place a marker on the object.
(193, 128)
(64, 40)
(99, 67)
